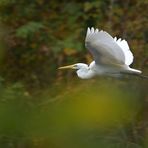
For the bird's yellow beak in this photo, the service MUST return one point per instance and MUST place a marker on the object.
(67, 67)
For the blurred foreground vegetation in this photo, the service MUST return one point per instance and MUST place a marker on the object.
(42, 107)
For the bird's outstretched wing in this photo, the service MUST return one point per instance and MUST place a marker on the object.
(106, 49)
(126, 50)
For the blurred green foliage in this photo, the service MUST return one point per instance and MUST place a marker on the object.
(42, 107)
(27, 30)
(71, 118)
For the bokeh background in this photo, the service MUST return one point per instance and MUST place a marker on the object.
(42, 107)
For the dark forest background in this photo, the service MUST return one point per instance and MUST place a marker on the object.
(41, 106)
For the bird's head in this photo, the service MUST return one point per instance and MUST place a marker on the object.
(76, 66)
(83, 70)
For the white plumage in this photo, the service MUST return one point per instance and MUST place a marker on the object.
(125, 48)
(93, 36)
(112, 56)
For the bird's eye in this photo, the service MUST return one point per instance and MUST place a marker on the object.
(75, 66)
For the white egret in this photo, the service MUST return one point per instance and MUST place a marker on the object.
(112, 56)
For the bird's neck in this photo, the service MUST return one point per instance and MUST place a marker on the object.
(85, 73)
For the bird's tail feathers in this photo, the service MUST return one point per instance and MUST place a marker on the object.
(135, 72)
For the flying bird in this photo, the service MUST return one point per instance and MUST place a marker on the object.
(112, 56)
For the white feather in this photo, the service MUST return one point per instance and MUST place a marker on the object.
(115, 38)
(103, 47)
(96, 31)
(92, 30)
(125, 48)
(95, 34)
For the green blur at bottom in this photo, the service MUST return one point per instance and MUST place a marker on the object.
(94, 113)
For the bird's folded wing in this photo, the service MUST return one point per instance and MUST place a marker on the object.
(104, 48)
